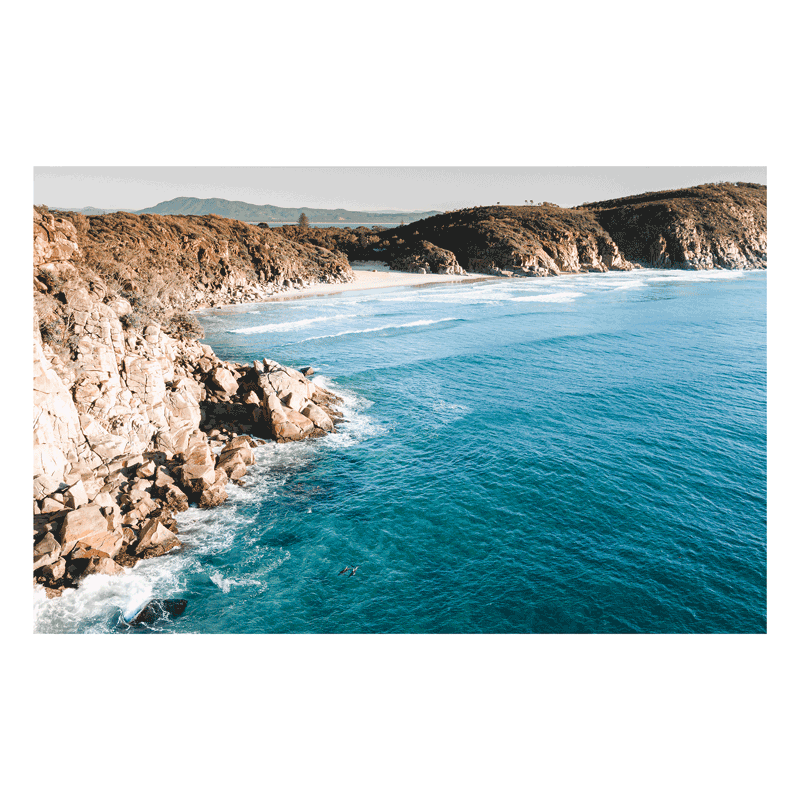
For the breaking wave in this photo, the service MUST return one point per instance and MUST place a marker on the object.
(289, 326)
(557, 297)
(416, 324)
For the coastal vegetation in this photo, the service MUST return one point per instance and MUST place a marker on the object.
(714, 225)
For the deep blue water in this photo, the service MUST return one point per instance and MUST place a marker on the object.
(565, 455)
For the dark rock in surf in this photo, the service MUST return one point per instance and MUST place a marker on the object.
(159, 610)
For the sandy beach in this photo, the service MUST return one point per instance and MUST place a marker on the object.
(377, 275)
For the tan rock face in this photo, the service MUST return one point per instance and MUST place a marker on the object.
(121, 396)
(55, 571)
(427, 258)
(197, 472)
(102, 565)
(54, 241)
(88, 526)
(224, 379)
(56, 429)
(46, 551)
(117, 408)
(154, 534)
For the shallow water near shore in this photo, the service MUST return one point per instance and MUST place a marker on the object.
(584, 454)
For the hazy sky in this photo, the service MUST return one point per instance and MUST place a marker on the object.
(366, 188)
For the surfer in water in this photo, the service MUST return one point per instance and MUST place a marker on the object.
(344, 570)
(353, 572)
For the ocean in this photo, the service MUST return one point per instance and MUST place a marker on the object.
(581, 454)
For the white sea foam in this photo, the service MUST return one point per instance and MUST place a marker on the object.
(102, 600)
(417, 323)
(698, 276)
(358, 426)
(225, 583)
(556, 297)
(289, 326)
(630, 285)
(444, 413)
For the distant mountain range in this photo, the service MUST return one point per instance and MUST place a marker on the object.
(248, 212)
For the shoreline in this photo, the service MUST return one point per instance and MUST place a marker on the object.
(382, 277)
(376, 278)
(368, 279)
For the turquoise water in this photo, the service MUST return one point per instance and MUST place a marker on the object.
(568, 455)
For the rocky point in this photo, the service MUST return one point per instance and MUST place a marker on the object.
(128, 418)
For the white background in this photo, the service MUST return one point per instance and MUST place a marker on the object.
(356, 83)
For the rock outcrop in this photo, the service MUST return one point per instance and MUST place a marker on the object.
(707, 227)
(127, 419)
(719, 225)
(160, 264)
(157, 611)
(514, 241)
(424, 257)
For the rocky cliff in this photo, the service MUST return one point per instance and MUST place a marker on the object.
(177, 263)
(717, 226)
(125, 413)
(512, 240)
(712, 226)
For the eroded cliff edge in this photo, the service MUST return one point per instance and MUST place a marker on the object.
(130, 410)
(714, 226)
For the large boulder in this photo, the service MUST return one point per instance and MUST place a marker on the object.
(235, 458)
(281, 429)
(101, 565)
(89, 526)
(232, 462)
(174, 499)
(242, 445)
(54, 572)
(318, 417)
(224, 379)
(303, 422)
(159, 610)
(215, 494)
(197, 472)
(76, 495)
(155, 536)
(284, 382)
(46, 551)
